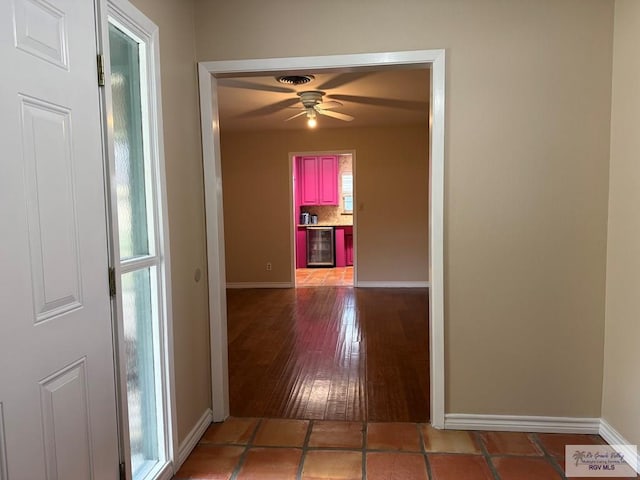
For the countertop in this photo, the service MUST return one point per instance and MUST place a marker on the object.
(325, 224)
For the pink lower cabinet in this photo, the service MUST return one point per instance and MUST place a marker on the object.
(348, 245)
(301, 248)
(341, 258)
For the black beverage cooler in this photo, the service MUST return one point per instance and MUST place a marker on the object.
(320, 247)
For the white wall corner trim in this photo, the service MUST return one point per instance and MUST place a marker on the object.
(4, 475)
(623, 446)
(521, 423)
(260, 285)
(383, 284)
(207, 74)
(192, 438)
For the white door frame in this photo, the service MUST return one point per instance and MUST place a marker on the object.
(208, 72)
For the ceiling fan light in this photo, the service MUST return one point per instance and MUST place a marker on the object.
(311, 118)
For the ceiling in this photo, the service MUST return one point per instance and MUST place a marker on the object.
(375, 98)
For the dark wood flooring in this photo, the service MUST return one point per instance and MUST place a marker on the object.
(329, 353)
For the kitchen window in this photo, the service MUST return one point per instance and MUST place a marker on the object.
(346, 187)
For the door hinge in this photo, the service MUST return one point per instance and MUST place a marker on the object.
(101, 70)
(112, 282)
(123, 472)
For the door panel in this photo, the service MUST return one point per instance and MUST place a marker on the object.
(65, 419)
(57, 394)
(51, 217)
(41, 31)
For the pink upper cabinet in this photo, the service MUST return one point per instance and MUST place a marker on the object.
(308, 180)
(318, 180)
(328, 185)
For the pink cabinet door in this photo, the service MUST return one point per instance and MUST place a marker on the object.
(341, 259)
(301, 248)
(328, 184)
(309, 180)
(317, 178)
(348, 248)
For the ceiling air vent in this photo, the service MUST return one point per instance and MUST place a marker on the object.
(295, 79)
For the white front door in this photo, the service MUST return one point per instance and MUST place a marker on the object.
(57, 394)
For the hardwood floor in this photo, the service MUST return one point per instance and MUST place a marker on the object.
(329, 353)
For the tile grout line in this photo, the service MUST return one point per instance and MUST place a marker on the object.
(485, 454)
(247, 447)
(400, 452)
(305, 449)
(424, 451)
(550, 458)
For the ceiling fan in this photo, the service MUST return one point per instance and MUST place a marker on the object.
(323, 100)
(313, 105)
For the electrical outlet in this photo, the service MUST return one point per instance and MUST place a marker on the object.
(268, 266)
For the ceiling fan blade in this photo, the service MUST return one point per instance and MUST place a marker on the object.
(236, 83)
(296, 115)
(341, 79)
(269, 109)
(384, 102)
(338, 115)
(328, 105)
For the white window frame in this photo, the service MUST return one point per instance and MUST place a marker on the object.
(126, 17)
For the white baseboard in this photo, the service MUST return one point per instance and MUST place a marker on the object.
(192, 439)
(366, 284)
(260, 285)
(613, 437)
(521, 423)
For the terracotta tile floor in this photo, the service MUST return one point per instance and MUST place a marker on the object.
(281, 449)
(324, 277)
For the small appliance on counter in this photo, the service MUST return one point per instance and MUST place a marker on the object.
(305, 218)
(314, 219)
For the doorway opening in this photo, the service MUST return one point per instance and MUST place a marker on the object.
(323, 185)
(209, 72)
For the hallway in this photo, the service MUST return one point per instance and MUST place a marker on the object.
(329, 354)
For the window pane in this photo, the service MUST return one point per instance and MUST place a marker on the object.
(128, 144)
(139, 337)
(347, 183)
(348, 203)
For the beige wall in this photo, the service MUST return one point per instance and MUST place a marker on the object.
(526, 188)
(621, 396)
(391, 174)
(183, 158)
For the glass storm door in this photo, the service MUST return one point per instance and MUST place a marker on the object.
(138, 250)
